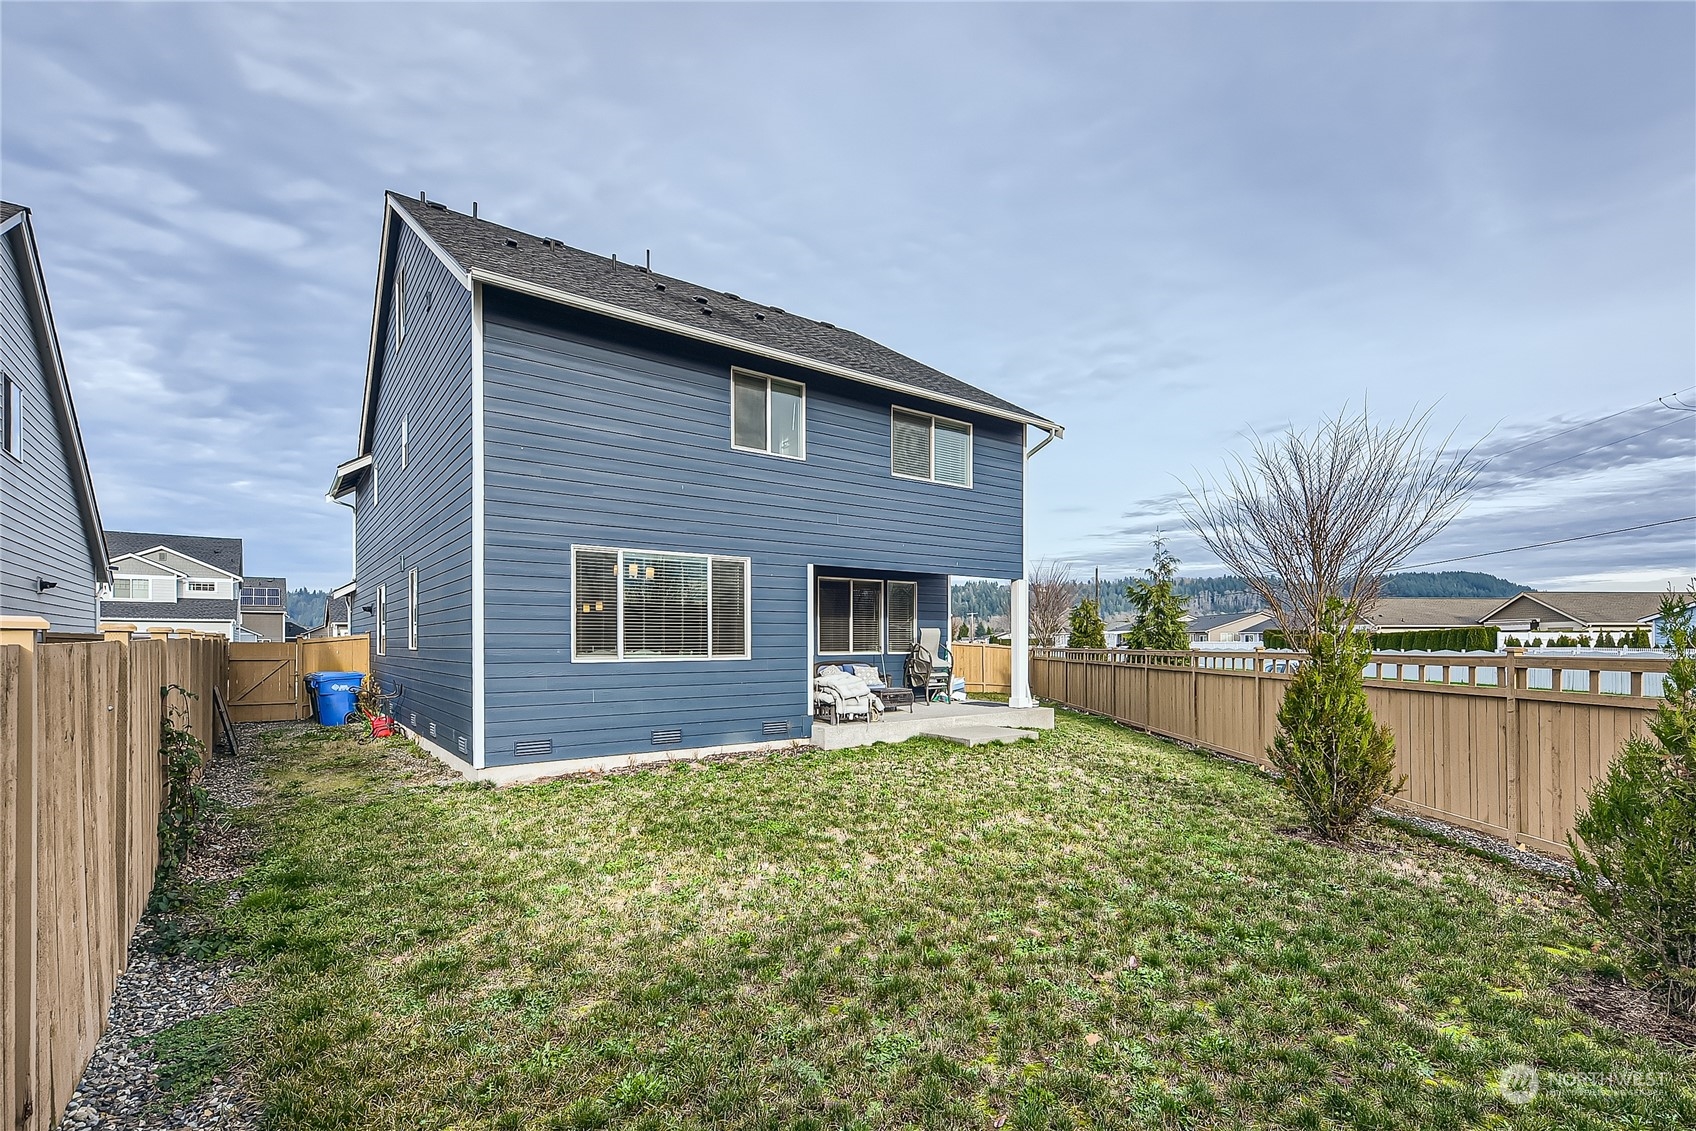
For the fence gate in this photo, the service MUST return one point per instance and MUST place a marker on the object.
(265, 684)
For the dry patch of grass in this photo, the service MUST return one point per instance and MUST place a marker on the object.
(1094, 929)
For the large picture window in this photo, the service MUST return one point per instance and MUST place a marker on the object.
(654, 605)
(932, 448)
(768, 414)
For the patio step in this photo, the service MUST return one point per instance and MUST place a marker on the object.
(968, 734)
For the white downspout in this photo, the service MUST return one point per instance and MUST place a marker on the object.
(1020, 693)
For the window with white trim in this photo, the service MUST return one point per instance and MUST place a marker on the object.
(203, 587)
(13, 412)
(403, 443)
(132, 589)
(657, 605)
(768, 414)
(382, 611)
(400, 307)
(412, 610)
(850, 616)
(902, 597)
(932, 448)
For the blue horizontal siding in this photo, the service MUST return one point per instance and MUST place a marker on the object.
(626, 443)
(42, 532)
(421, 518)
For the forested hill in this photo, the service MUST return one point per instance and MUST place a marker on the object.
(1231, 594)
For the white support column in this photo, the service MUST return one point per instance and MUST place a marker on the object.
(1020, 695)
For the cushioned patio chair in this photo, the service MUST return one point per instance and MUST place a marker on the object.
(839, 695)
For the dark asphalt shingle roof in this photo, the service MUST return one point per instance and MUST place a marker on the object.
(225, 553)
(480, 244)
(9, 210)
(155, 611)
(1213, 620)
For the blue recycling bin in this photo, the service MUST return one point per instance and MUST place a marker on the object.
(334, 695)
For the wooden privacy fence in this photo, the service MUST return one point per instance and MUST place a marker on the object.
(1509, 745)
(986, 668)
(268, 680)
(80, 788)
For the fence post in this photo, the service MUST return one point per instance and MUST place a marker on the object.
(1259, 705)
(20, 1096)
(1509, 679)
(1194, 659)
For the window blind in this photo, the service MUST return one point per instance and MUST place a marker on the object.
(730, 607)
(911, 444)
(903, 615)
(595, 601)
(833, 612)
(868, 616)
(953, 453)
(664, 599)
(748, 412)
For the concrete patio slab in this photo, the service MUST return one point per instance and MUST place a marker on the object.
(899, 726)
(978, 735)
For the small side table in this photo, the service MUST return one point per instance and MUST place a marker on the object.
(894, 697)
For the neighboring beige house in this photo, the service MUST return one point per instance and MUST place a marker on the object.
(1540, 617)
(1532, 617)
(1224, 628)
(264, 607)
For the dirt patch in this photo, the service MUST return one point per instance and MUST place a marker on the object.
(1631, 1011)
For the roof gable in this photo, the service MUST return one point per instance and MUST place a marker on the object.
(19, 237)
(480, 251)
(222, 555)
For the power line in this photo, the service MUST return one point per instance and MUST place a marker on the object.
(1556, 542)
(1588, 423)
(1608, 444)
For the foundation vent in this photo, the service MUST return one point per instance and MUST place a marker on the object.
(671, 736)
(412, 720)
(464, 747)
(432, 729)
(780, 728)
(533, 747)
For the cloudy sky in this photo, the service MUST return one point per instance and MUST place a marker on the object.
(1167, 227)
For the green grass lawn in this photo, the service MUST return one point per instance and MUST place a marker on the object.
(1093, 929)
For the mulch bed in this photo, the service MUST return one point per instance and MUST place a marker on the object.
(1632, 1011)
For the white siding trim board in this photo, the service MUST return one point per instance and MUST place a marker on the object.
(479, 511)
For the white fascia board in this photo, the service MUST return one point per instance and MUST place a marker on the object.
(565, 298)
(185, 557)
(341, 591)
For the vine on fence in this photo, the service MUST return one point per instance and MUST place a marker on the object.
(180, 755)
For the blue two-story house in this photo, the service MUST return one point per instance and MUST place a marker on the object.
(52, 552)
(601, 512)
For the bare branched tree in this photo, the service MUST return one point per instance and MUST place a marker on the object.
(1052, 595)
(1311, 518)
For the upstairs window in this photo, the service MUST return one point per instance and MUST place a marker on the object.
(261, 596)
(132, 589)
(203, 587)
(932, 448)
(768, 414)
(12, 418)
(400, 307)
(650, 605)
(404, 438)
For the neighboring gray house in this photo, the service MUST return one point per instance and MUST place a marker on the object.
(601, 513)
(264, 607)
(175, 581)
(52, 559)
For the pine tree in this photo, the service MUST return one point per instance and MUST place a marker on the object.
(1160, 611)
(1087, 629)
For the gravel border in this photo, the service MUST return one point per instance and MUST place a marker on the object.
(120, 1086)
(1491, 846)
